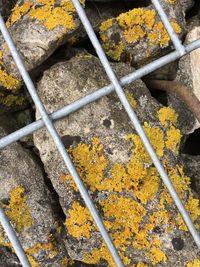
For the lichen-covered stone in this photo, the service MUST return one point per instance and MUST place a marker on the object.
(188, 74)
(28, 205)
(38, 27)
(138, 35)
(111, 160)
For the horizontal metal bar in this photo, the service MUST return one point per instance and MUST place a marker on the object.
(175, 40)
(13, 239)
(63, 112)
(61, 148)
(133, 117)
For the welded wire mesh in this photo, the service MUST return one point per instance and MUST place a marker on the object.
(47, 120)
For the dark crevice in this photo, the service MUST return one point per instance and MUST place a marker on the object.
(160, 96)
(191, 146)
(194, 10)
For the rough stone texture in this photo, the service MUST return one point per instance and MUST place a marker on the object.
(191, 167)
(121, 179)
(6, 6)
(28, 204)
(138, 36)
(38, 28)
(189, 74)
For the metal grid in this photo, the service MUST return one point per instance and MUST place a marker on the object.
(47, 120)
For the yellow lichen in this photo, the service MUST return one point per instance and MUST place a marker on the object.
(7, 80)
(11, 99)
(134, 34)
(195, 263)
(66, 262)
(156, 255)
(17, 210)
(18, 12)
(79, 224)
(166, 116)
(172, 2)
(131, 99)
(106, 25)
(173, 139)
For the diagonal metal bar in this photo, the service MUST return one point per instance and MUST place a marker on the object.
(135, 121)
(13, 239)
(48, 123)
(32, 127)
(177, 43)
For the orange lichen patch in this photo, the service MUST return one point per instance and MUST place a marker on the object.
(105, 25)
(167, 116)
(80, 222)
(32, 261)
(195, 263)
(134, 34)
(17, 210)
(52, 16)
(66, 262)
(159, 35)
(156, 255)
(18, 12)
(135, 25)
(173, 139)
(7, 80)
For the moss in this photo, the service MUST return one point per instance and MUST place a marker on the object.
(133, 26)
(17, 210)
(125, 209)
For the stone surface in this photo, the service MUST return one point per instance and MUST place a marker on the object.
(29, 206)
(38, 29)
(191, 167)
(123, 183)
(189, 74)
(138, 36)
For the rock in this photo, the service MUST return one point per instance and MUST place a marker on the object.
(5, 7)
(38, 29)
(191, 167)
(109, 156)
(188, 74)
(8, 259)
(29, 206)
(138, 36)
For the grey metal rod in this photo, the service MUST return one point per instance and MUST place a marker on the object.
(135, 121)
(13, 239)
(32, 127)
(48, 122)
(177, 43)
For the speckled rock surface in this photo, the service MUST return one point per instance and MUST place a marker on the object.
(188, 74)
(28, 204)
(123, 183)
(38, 28)
(138, 36)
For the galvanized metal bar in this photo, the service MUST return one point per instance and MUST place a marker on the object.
(177, 43)
(48, 123)
(135, 121)
(63, 112)
(13, 239)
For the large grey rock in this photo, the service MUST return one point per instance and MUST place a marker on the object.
(138, 36)
(188, 74)
(28, 204)
(119, 175)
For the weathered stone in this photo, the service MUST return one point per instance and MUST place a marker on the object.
(189, 74)
(28, 204)
(191, 167)
(38, 28)
(139, 36)
(122, 181)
